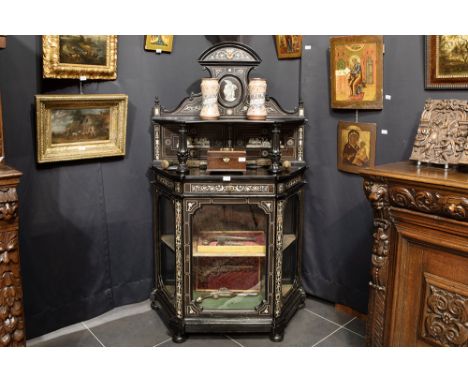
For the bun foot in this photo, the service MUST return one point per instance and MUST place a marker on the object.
(178, 338)
(277, 337)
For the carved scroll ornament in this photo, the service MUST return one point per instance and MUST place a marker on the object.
(445, 316)
(11, 308)
(452, 206)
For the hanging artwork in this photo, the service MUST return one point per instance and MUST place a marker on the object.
(2, 156)
(356, 146)
(288, 46)
(162, 43)
(73, 127)
(75, 56)
(356, 72)
(447, 62)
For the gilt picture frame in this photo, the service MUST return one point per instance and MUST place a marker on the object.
(77, 56)
(72, 127)
(446, 62)
(356, 72)
(2, 151)
(288, 46)
(162, 43)
(356, 146)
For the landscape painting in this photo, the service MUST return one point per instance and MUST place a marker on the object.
(356, 146)
(356, 72)
(84, 50)
(447, 61)
(84, 57)
(71, 127)
(79, 125)
(288, 46)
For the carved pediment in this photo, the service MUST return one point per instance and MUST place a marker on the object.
(442, 136)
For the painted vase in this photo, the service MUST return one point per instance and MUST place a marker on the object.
(257, 92)
(210, 90)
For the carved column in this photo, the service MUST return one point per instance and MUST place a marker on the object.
(11, 292)
(377, 193)
(182, 151)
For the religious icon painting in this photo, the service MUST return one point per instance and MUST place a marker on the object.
(356, 146)
(288, 46)
(447, 62)
(162, 43)
(356, 72)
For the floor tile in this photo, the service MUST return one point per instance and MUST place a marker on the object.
(304, 329)
(202, 340)
(82, 338)
(145, 329)
(343, 338)
(119, 312)
(327, 310)
(357, 326)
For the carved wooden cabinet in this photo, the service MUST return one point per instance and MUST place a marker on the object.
(11, 294)
(228, 244)
(419, 286)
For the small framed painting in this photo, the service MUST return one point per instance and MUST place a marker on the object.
(356, 146)
(356, 72)
(75, 56)
(288, 46)
(447, 62)
(71, 127)
(159, 42)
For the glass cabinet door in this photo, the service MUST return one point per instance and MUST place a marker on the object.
(229, 249)
(167, 259)
(290, 243)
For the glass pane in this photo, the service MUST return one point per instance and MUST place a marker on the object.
(229, 252)
(167, 244)
(291, 219)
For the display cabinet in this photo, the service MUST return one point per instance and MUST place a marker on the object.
(228, 244)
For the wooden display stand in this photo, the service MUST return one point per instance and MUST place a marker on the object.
(419, 286)
(11, 291)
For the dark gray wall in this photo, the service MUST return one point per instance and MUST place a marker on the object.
(338, 221)
(86, 242)
(85, 237)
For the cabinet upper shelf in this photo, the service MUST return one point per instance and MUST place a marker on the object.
(193, 121)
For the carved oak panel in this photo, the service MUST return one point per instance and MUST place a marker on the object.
(442, 136)
(445, 312)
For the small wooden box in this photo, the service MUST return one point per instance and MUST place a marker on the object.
(226, 160)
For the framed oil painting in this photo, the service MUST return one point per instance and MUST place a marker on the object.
(159, 42)
(447, 62)
(2, 155)
(356, 146)
(74, 56)
(288, 46)
(71, 127)
(356, 72)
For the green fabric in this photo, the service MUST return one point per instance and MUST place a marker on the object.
(229, 303)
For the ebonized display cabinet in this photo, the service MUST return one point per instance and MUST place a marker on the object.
(228, 245)
(419, 286)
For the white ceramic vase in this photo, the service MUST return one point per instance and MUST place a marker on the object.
(257, 93)
(210, 90)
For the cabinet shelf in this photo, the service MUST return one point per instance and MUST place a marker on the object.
(169, 241)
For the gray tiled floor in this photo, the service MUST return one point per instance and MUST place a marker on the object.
(318, 324)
